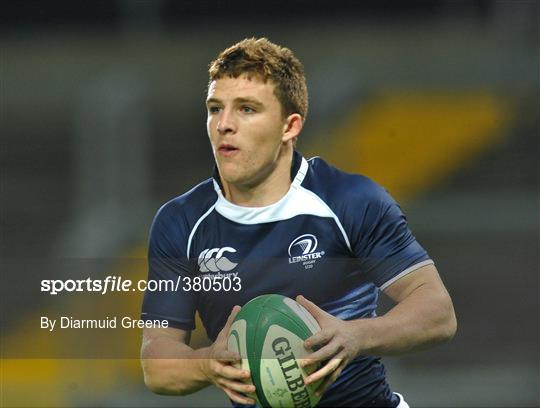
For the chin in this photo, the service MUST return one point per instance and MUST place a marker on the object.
(233, 178)
(230, 174)
(238, 178)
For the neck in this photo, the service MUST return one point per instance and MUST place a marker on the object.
(270, 189)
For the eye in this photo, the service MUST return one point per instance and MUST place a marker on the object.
(247, 109)
(213, 109)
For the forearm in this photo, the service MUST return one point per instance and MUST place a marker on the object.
(172, 367)
(424, 318)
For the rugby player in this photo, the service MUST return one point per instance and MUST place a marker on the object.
(274, 222)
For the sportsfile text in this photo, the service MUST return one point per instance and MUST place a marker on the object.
(214, 283)
(101, 286)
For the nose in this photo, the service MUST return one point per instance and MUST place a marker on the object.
(226, 122)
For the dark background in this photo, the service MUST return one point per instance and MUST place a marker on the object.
(103, 120)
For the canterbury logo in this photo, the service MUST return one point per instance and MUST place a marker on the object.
(306, 243)
(213, 260)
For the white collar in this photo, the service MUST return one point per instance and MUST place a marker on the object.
(282, 209)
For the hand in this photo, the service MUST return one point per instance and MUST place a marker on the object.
(219, 368)
(335, 342)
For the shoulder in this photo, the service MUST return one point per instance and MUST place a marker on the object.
(340, 189)
(190, 203)
(362, 206)
(178, 215)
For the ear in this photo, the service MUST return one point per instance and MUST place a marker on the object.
(292, 127)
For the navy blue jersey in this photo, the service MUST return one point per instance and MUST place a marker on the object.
(336, 238)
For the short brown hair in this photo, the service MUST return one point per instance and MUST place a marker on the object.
(261, 57)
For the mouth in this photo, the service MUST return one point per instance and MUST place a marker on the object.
(227, 150)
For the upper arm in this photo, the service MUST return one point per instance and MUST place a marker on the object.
(423, 293)
(426, 276)
(381, 238)
(168, 263)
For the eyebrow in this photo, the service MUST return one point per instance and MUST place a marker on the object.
(236, 100)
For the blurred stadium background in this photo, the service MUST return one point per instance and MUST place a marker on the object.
(103, 119)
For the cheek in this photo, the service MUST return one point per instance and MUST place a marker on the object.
(210, 129)
(266, 134)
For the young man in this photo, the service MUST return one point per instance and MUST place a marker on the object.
(253, 222)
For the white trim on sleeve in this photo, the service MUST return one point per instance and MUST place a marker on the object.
(406, 272)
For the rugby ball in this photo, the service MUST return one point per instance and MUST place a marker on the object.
(268, 333)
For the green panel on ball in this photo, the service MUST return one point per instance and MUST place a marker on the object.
(251, 312)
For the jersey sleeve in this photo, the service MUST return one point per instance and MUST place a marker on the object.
(382, 240)
(167, 262)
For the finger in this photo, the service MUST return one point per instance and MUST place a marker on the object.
(237, 386)
(311, 307)
(328, 368)
(330, 380)
(230, 319)
(318, 339)
(233, 373)
(237, 397)
(324, 353)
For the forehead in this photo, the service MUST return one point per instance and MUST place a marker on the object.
(241, 87)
